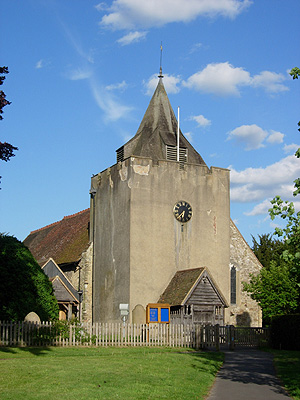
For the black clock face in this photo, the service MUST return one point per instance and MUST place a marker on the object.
(182, 211)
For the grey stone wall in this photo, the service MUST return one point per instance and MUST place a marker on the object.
(246, 311)
(110, 228)
(81, 278)
(86, 284)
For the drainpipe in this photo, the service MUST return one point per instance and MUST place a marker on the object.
(79, 291)
(178, 133)
(93, 192)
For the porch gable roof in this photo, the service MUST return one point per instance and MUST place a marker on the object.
(183, 285)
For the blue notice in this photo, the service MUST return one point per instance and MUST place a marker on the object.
(164, 315)
(153, 314)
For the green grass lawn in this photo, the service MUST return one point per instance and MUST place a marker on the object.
(287, 364)
(106, 373)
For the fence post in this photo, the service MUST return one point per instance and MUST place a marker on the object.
(70, 336)
(231, 337)
(217, 336)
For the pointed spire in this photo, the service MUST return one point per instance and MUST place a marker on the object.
(160, 68)
(157, 131)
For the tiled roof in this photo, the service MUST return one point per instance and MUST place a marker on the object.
(180, 285)
(64, 241)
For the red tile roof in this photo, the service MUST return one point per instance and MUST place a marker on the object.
(64, 240)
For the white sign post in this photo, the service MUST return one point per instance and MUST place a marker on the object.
(124, 311)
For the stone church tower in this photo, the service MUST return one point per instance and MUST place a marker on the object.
(152, 216)
(158, 230)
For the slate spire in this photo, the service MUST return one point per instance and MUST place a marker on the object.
(158, 131)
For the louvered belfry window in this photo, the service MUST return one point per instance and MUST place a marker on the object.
(172, 154)
(120, 154)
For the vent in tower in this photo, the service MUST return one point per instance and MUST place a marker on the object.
(172, 154)
(120, 154)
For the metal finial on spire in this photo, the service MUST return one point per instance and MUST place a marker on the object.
(160, 68)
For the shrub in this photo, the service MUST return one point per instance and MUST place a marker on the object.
(285, 332)
(24, 287)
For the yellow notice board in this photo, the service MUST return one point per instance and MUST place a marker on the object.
(158, 313)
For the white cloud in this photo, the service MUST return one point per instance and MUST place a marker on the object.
(220, 78)
(132, 37)
(39, 64)
(195, 48)
(251, 136)
(214, 155)
(275, 137)
(270, 81)
(117, 86)
(261, 208)
(201, 120)
(108, 104)
(223, 79)
(76, 44)
(290, 148)
(101, 6)
(170, 83)
(79, 74)
(126, 137)
(42, 63)
(128, 14)
(257, 184)
(189, 136)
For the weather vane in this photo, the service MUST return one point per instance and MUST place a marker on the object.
(160, 68)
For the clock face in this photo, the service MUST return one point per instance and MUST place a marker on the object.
(182, 211)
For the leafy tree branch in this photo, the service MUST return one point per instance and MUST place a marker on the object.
(274, 290)
(295, 73)
(6, 149)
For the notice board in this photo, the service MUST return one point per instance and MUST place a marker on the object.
(158, 313)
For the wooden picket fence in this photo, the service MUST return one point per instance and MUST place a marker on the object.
(118, 334)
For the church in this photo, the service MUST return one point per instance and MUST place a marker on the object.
(158, 230)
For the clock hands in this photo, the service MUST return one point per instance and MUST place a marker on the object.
(181, 215)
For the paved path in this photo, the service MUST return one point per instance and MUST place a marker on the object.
(247, 374)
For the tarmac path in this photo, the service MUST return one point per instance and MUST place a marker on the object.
(247, 374)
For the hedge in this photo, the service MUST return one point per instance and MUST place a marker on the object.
(285, 332)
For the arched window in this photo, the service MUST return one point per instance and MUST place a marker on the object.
(233, 285)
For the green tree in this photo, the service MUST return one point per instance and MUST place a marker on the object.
(290, 234)
(6, 149)
(3, 101)
(285, 210)
(295, 73)
(24, 287)
(274, 289)
(267, 249)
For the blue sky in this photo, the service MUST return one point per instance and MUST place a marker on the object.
(83, 72)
